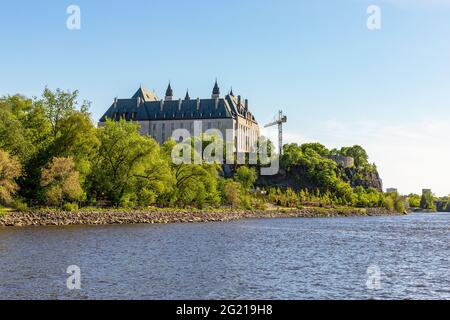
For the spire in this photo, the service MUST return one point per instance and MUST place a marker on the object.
(169, 93)
(216, 91)
(231, 92)
(187, 95)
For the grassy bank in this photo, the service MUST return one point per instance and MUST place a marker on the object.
(49, 217)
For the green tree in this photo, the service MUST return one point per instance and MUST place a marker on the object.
(292, 154)
(13, 134)
(77, 139)
(414, 200)
(427, 201)
(127, 161)
(195, 184)
(10, 170)
(320, 149)
(59, 105)
(357, 153)
(232, 193)
(61, 182)
(246, 177)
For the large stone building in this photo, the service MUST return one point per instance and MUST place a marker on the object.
(158, 118)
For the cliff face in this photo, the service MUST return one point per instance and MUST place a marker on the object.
(297, 179)
(363, 178)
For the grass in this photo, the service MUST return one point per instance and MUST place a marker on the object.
(4, 211)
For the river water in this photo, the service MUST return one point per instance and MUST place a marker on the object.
(404, 257)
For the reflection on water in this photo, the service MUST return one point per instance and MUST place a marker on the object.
(251, 259)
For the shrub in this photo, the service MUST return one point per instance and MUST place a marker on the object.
(20, 206)
(231, 192)
(70, 207)
(246, 202)
(246, 177)
(388, 203)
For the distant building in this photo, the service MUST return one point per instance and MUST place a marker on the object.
(391, 190)
(158, 118)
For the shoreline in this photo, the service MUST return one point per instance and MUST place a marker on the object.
(50, 217)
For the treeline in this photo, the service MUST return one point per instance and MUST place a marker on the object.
(52, 154)
(428, 201)
(314, 160)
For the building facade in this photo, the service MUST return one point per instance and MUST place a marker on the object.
(159, 118)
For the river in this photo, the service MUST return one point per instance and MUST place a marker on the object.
(403, 257)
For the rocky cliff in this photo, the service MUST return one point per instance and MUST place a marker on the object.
(297, 179)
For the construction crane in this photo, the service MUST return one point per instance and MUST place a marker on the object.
(279, 122)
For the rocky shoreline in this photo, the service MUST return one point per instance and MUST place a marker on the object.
(122, 217)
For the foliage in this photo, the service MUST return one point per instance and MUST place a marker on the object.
(393, 201)
(246, 177)
(70, 207)
(427, 201)
(357, 153)
(414, 200)
(56, 155)
(10, 170)
(61, 182)
(194, 184)
(232, 193)
(59, 105)
(367, 198)
(127, 163)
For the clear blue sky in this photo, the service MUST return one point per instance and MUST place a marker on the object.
(338, 82)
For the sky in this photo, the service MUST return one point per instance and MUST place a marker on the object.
(338, 82)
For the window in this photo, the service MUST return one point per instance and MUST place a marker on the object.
(154, 127)
(209, 125)
(172, 126)
(163, 128)
(163, 137)
(182, 125)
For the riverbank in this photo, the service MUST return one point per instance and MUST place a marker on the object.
(162, 216)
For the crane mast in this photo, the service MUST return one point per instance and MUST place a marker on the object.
(279, 122)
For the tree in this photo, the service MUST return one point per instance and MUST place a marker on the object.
(246, 177)
(357, 153)
(292, 154)
(13, 134)
(195, 184)
(59, 105)
(427, 201)
(77, 139)
(317, 147)
(127, 161)
(61, 182)
(414, 200)
(232, 193)
(10, 170)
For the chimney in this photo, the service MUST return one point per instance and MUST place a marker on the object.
(198, 104)
(216, 103)
(246, 104)
(179, 104)
(239, 103)
(138, 101)
(115, 102)
(161, 104)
